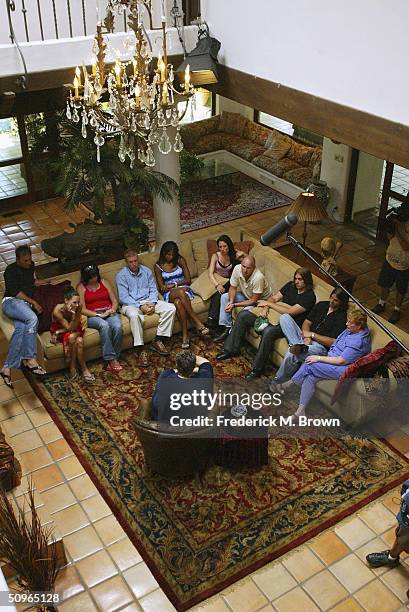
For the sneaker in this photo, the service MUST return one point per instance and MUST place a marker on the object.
(395, 316)
(379, 308)
(380, 559)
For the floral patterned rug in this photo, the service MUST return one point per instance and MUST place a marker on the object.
(212, 201)
(199, 536)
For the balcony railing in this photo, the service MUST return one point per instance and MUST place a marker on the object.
(27, 21)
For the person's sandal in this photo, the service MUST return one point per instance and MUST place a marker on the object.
(89, 378)
(203, 331)
(36, 370)
(185, 345)
(7, 380)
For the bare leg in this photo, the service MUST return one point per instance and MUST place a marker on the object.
(190, 313)
(80, 357)
(181, 313)
(72, 357)
(399, 300)
(383, 295)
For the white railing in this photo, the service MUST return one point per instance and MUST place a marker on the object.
(42, 20)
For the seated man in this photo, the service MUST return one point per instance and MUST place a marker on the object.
(247, 286)
(188, 366)
(19, 305)
(323, 324)
(295, 298)
(138, 295)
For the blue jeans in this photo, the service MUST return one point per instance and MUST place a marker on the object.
(225, 318)
(110, 331)
(291, 363)
(23, 342)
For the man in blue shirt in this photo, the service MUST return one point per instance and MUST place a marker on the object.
(138, 295)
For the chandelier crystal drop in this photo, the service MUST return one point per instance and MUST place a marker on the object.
(134, 100)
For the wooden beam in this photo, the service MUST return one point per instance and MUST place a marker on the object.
(380, 137)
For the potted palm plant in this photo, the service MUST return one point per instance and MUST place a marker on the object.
(108, 187)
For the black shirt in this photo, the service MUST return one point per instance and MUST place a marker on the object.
(331, 324)
(292, 297)
(19, 279)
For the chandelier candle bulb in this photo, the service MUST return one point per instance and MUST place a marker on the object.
(118, 72)
(78, 75)
(76, 84)
(94, 69)
(187, 78)
(134, 66)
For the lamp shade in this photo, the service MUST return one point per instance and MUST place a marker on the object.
(308, 208)
(202, 61)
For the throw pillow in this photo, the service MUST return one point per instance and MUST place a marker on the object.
(365, 367)
(232, 123)
(278, 147)
(245, 246)
(300, 153)
(203, 286)
(48, 296)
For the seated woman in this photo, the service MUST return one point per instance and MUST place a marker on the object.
(67, 328)
(173, 279)
(99, 304)
(222, 263)
(351, 344)
(325, 321)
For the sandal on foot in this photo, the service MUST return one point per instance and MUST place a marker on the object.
(36, 370)
(203, 331)
(7, 380)
(89, 378)
(185, 345)
(73, 377)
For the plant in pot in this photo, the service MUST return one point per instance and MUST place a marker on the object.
(28, 547)
(108, 188)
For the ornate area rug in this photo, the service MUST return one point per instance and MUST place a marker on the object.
(199, 536)
(206, 203)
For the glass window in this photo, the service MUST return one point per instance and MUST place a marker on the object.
(12, 181)
(10, 147)
(276, 123)
(200, 107)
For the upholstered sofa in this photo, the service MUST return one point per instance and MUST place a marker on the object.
(352, 407)
(265, 148)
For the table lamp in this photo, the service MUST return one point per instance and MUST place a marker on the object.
(308, 208)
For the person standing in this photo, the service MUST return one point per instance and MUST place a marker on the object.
(138, 296)
(18, 304)
(395, 268)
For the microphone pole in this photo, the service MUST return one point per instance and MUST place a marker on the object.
(370, 314)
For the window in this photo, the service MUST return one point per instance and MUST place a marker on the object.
(276, 123)
(200, 107)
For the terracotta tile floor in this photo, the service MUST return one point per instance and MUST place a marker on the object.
(104, 570)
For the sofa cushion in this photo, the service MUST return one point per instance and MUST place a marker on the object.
(315, 163)
(246, 149)
(278, 146)
(208, 143)
(286, 164)
(300, 153)
(266, 163)
(299, 176)
(204, 287)
(232, 123)
(256, 132)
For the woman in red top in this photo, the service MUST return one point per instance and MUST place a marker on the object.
(67, 328)
(99, 303)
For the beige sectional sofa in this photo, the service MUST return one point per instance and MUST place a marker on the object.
(265, 148)
(353, 407)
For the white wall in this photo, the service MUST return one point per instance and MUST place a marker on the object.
(368, 183)
(351, 52)
(336, 162)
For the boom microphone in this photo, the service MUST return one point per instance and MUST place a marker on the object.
(279, 228)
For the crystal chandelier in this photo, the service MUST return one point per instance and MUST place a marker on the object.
(132, 100)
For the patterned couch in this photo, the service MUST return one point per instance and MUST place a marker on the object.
(264, 147)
